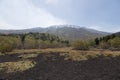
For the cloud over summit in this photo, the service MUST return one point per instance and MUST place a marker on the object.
(19, 14)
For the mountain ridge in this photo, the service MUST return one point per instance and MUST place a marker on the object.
(70, 32)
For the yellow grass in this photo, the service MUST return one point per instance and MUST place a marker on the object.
(65, 50)
(10, 67)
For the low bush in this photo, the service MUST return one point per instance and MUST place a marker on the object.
(104, 45)
(80, 45)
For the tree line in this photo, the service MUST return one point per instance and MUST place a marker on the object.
(8, 42)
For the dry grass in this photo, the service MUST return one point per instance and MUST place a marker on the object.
(75, 55)
(70, 53)
(65, 50)
(10, 67)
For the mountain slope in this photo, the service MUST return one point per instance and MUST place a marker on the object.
(70, 32)
(76, 33)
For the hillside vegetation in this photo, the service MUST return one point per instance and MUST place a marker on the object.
(111, 42)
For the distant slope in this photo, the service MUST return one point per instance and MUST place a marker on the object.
(70, 32)
(117, 34)
(113, 35)
(110, 37)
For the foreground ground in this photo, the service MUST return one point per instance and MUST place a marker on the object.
(60, 64)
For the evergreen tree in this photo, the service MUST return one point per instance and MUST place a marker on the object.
(97, 41)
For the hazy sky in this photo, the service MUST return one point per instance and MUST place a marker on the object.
(102, 15)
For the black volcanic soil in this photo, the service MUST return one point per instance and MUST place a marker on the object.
(54, 67)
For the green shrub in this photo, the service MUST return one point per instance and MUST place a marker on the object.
(91, 43)
(115, 42)
(6, 46)
(80, 45)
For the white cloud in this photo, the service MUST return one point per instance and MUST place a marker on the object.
(4, 25)
(95, 27)
(19, 14)
(52, 1)
(106, 28)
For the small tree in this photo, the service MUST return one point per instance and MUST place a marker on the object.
(97, 41)
(30, 43)
(22, 36)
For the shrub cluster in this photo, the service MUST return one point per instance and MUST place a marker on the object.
(111, 42)
(80, 45)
